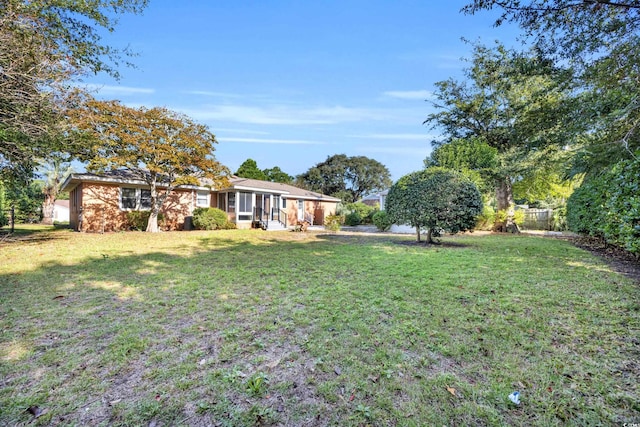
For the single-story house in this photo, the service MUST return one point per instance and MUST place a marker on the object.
(100, 202)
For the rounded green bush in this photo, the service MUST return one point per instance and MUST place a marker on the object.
(209, 219)
(352, 219)
(382, 221)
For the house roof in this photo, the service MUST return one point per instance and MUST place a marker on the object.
(248, 184)
(125, 176)
(118, 176)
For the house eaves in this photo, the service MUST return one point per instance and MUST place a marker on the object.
(73, 180)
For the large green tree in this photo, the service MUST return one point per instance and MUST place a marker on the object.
(164, 148)
(249, 169)
(513, 103)
(600, 39)
(434, 199)
(275, 174)
(44, 46)
(349, 178)
(472, 157)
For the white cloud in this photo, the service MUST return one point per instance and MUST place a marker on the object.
(284, 114)
(271, 141)
(410, 94)
(118, 90)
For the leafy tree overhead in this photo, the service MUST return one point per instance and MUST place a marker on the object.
(473, 157)
(43, 46)
(249, 169)
(348, 178)
(275, 174)
(434, 199)
(601, 41)
(164, 148)
(512, 102)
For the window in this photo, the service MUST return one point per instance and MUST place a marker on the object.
(145, 199)
(128, 198)
(284, 203)
(202, 198)
(232, 202)
(135, 199)
(222, 201)
(244, 202)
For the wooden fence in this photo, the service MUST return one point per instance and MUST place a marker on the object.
(538, 219)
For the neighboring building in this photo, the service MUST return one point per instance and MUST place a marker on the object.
(61, 211)
(376, 199)
(99, 203)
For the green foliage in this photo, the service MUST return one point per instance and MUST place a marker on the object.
(26, 198)
(210, 219)
(44, 45)
(472, 157)
(382, 220)
(608, 206)
(256, 384)
(518, 217)
(249, 169)
(435, 199)
(601, 41)
(487, 218)
(348, 178)
(275, 174)
(137, 220)
(333, 222)
(352, 219)
(364, 213)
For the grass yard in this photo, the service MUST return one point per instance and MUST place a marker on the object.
(236, 328)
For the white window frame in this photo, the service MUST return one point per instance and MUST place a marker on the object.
(199, 199)
(138, 197)
(248, 200)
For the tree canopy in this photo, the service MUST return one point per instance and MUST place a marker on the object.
(348, 178)
(43, 46)
(249, 169)
(601, 41)
(164, 148)
(513, 103)
(434, 199)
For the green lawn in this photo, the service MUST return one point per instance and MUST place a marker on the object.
(256, 328)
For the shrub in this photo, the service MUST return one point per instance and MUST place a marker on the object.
(209, 219)
(332, 222)
(364, 211)
(137, 220)
(382, 221)
(518, 217)
(559, 219)
(353, 219)
(608, 206)
(486, 219)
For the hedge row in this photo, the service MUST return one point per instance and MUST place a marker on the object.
(608, 206)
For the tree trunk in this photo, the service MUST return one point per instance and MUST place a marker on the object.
(152, 225)
(504, 198)
(418, 233)
(430, 235)
(47, 210)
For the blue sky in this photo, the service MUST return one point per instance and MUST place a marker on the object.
(289, 83)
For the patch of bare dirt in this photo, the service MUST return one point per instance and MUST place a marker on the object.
(617, 258)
